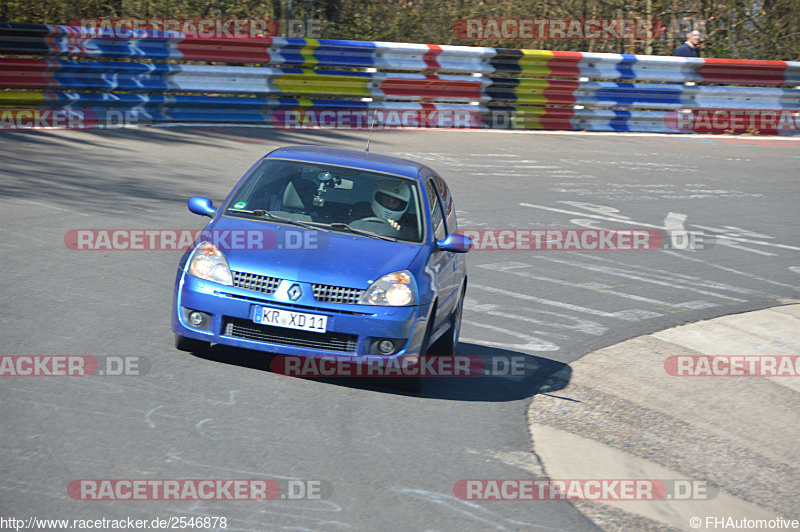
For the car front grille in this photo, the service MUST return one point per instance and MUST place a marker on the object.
(329, 341)
(336, 294)
(257, 283)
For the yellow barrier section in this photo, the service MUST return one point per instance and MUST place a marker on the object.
(309, 82)
(21, 98)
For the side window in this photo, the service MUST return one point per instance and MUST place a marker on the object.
(444, 191)
(439, 231)
(431, 194)
(449, 208)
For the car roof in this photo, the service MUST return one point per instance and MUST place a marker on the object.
(352, 158)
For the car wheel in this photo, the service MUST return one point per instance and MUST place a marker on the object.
(447, 344)
(191, 345)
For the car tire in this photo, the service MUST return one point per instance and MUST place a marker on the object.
(191, 345)
(446, 345)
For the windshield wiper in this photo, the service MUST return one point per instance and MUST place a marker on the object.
(275, 217)
(362, 232)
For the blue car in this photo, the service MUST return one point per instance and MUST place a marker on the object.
(323, 251)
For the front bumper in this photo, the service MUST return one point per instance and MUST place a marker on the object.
(351, 331)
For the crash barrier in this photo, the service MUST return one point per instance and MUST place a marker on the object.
(333, 83)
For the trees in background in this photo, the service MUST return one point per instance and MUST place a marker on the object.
(749, 29)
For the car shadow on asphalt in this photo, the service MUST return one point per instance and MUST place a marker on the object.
(504, 375)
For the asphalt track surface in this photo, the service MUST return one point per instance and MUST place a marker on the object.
(391, 458)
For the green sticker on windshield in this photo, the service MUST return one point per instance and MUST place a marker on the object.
(240, 205)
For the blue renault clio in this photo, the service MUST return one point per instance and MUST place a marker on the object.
(323, 251)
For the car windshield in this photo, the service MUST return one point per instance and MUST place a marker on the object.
(335, 198)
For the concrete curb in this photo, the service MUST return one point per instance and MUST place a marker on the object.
(623, 416)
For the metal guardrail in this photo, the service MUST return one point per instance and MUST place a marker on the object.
(160, 77)
(506, 89)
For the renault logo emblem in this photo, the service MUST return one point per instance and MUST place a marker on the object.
(295, 292)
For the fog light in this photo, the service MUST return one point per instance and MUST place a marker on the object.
(196, 318)
(386, 347)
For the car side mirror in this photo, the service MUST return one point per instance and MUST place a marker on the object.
(201, 205)
(456, 243)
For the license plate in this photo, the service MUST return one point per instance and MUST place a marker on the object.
(290, 319)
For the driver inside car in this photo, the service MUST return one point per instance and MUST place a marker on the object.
(390, 201)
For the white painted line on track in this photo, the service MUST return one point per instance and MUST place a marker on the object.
(627, 315)
(619, 272)
(670, 216)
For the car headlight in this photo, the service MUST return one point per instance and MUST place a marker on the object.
(210, 264)
(394, 289)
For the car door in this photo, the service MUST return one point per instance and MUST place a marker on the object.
(443, 263)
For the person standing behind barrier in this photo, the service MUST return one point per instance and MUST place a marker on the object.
(691, 48)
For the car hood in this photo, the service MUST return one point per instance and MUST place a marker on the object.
(314, 256)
